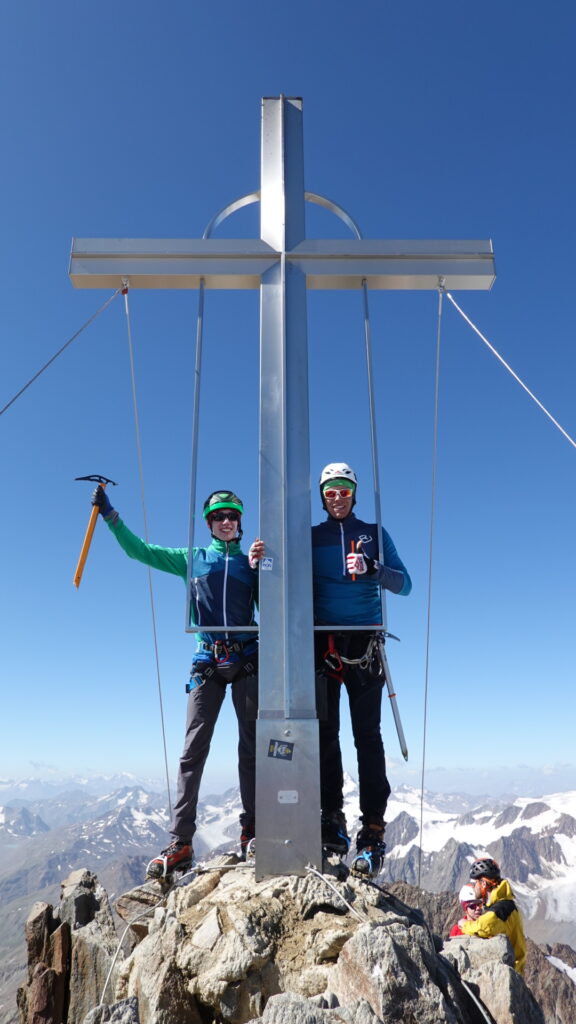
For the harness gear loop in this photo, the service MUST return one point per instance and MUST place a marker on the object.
(336, 661)
(332, 657)
(221, 652)
(236, 647)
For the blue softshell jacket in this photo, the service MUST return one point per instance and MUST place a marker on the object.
(340, 600)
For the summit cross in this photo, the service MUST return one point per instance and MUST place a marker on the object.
(283, 263)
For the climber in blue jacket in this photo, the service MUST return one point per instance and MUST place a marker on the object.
(347, 578)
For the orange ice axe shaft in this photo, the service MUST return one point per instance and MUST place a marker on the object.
(102, 480)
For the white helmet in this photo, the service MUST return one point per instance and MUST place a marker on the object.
(337, 471)
(467, 894)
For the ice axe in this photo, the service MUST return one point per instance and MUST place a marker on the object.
(387, 676)
(102, 480)
(392, 696)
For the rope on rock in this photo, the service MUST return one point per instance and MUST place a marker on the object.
(145, 913)
(313, 871)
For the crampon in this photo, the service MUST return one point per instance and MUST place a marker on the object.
(175, 858)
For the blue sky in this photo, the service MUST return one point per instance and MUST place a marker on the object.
(422, 122)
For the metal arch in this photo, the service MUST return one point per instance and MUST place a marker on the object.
(254, 197)
(247, 200)
(329, 204)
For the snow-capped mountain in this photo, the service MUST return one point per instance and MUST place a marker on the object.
(50, 829)
(534, 841)
(18, 822)
(116, 833)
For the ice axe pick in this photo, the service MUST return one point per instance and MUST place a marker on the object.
(102, 480)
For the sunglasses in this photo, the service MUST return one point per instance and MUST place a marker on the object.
(219, 517)
(334, 492)
(474, 905)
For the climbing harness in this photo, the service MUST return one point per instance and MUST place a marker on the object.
(367, 659)
(223, 672)
(336, 660)
(221, 650)
(332, 657)
(199, 675)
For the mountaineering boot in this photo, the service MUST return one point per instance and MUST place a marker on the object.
(247, 841)
(176, 857)
(335, 837)
(370, 850)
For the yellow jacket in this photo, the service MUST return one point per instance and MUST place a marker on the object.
(501, 917)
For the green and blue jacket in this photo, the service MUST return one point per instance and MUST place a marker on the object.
(224, 587)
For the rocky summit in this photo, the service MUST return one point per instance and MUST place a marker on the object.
(225, 949)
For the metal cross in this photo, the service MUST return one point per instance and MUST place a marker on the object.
(282, 263)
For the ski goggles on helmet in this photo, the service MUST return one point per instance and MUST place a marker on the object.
(219, 517)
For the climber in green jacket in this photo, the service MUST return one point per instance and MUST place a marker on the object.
(224, 593)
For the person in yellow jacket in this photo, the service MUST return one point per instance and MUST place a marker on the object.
(501, 915)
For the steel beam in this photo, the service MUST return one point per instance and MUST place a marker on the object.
(287, 746)
(240, 263)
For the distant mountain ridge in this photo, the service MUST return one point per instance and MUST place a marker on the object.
(114, 833)
(534, 841)
(54, 784)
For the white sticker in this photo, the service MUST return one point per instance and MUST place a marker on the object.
(287, 796)
(267, 563)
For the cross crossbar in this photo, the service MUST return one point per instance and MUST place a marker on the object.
(240, 263)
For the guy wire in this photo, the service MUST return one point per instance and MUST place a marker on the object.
(59, 352)
(430, 563)
(145, 516)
